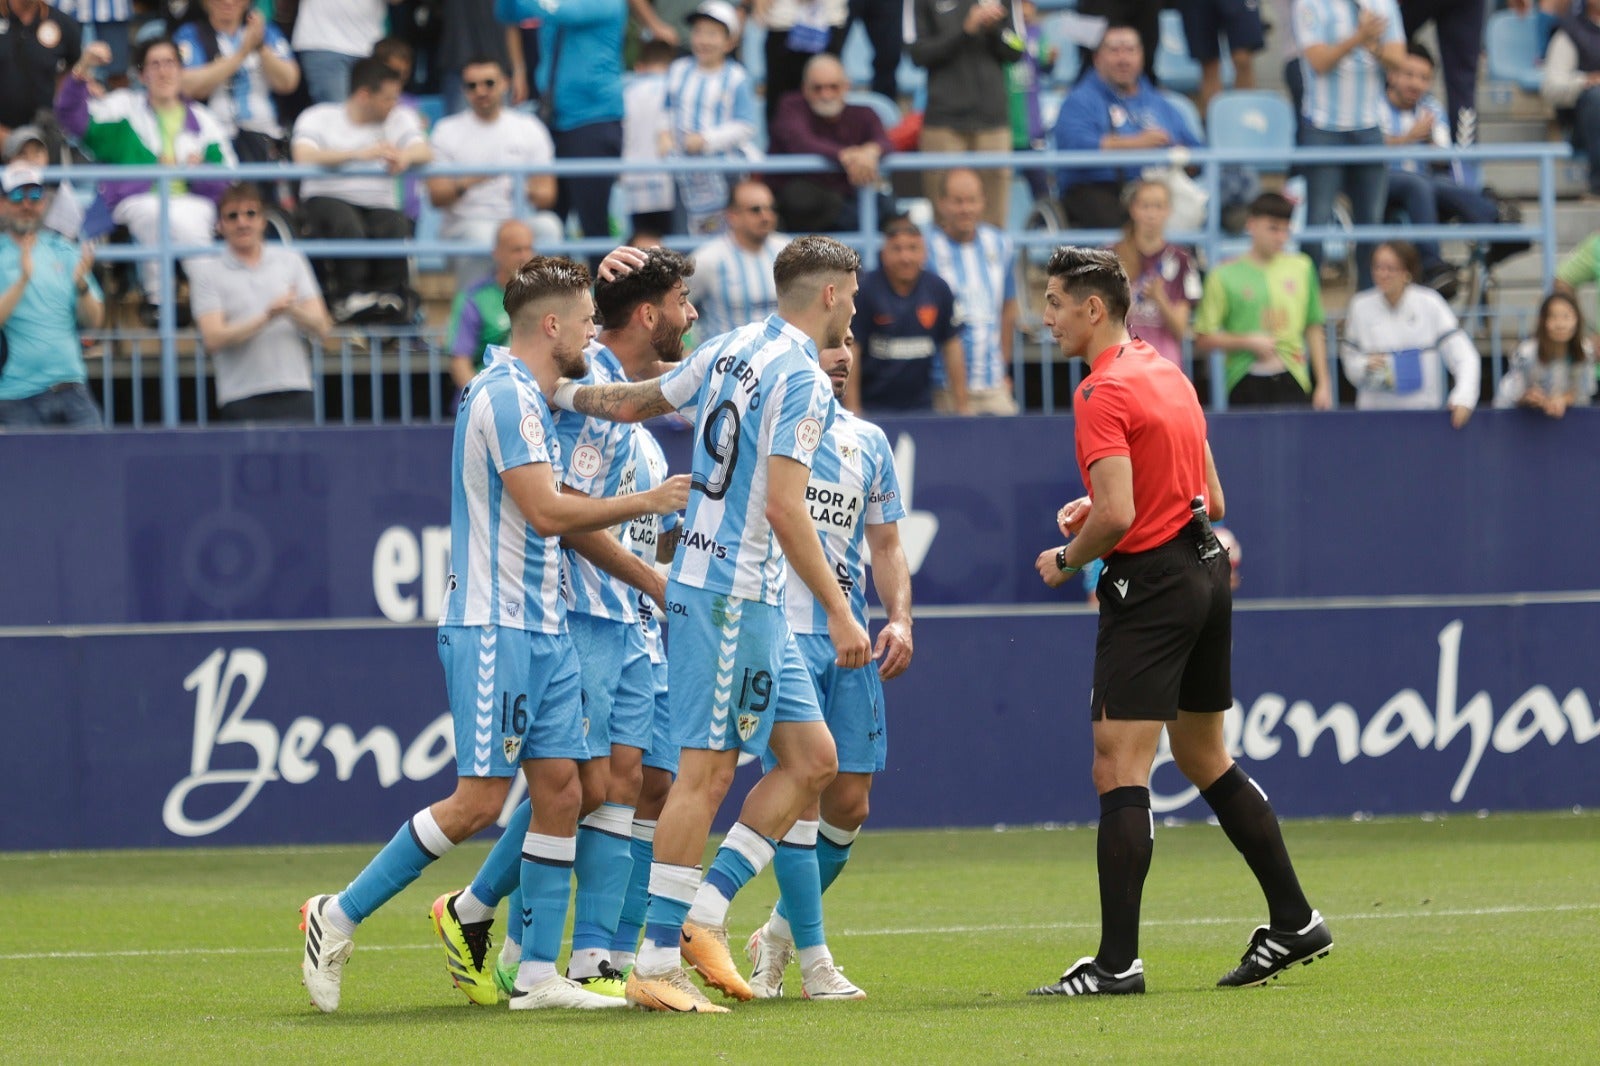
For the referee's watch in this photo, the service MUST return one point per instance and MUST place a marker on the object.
(1061, 562)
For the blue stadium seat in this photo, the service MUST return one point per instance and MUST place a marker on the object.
(888, 111)
(1190, 113)
(1516, 53)
(431, 108)
(1252, 118)
(427, 229)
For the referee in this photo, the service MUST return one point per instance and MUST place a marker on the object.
(1166, 619)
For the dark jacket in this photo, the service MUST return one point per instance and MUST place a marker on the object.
(967, 88)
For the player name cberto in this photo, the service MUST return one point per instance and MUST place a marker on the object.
(742, 372)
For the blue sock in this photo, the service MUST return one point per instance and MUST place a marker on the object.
(514, 913)
(800, 885)
(418, 843)
(631, 922)
(672, 890)
(603, 867)
(743, 854)
(499, 874)
(832, 855)
(546, 887)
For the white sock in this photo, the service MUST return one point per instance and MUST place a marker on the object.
(469, 908)
(710, 906)
(530, 974)
(510, 952)
(335, 916)
(621, 960)
(778, 926)
(812, 955)
(654, 961)
(840, 837)
(585, 962)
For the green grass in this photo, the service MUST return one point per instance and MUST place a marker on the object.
(1456, 940)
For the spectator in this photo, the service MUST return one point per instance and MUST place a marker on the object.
(252, 304)
(651, 194)
(1344, 48)
(1571, 81)
(580, 93)
(817, 121)
(966, 46)
(1555, 368)
(1113, 108)
(47, 294)
(27, 144)
(39, 45)
(478, 316)
(330, 36)
(474, 206)
(796, 31)
(1265, 310)
(103, 20)
(1205, 22)
(1399, 336)
(977, 261)
(904, 324)
(1459, 26)
(712, 108)
(469, 33)
(1163, 279)
(1428, 193)
(735, 267)
(882, 19)
(1143, 15)
(154, 126)
(235, 60)
(366, 127)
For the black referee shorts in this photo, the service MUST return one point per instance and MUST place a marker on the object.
(1166, 634)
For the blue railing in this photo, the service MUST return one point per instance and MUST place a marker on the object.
(1210, 240)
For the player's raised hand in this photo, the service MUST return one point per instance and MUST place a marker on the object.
(671, 495)
(850, 641)
(893, 650)
(621, 262)
(1071, 517)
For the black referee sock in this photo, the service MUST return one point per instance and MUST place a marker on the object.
(1127, 838)
(1248, 819)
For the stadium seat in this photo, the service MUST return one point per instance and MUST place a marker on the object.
(1516, 54)
(427, 229)
(430, 107)
(888, 111)
(1190, 113)
(1175, 68)
(1252, 118)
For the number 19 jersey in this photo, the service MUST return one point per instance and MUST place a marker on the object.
(758, 392)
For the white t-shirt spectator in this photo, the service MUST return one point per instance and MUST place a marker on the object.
(513, 138)
(349, 27)
(644, 114)
(329, 126)
(273, 359)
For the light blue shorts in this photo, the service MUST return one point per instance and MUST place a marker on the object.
(852, 705)
(733, 671)
(618, 692)
(514, 695)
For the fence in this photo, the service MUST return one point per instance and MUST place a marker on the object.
(1211, 241)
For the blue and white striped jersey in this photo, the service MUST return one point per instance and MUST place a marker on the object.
(1395, 123)
(644, 532)
(980, 275)
(733, 287)
(853, 486)
(719, 105)
(96, 10)
(599, 462)
(758, 392)
(501, 572)
(1348, 97)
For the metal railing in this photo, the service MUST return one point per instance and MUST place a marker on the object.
(1210, 240)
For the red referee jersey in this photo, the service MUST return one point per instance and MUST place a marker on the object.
(1136, 403)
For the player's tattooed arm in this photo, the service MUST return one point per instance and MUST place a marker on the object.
(623, 402)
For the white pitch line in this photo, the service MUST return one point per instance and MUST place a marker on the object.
(937, 930)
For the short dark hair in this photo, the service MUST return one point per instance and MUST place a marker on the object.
(240, 192)
(807, 257)
(1086, 272)
(394, 48)
(482, 60)
(655, 50)
(1271, 205)
(371, 74)
(142, 49)
(733, 190)
(1420, 50)
(1406, 252)
(543, 277)
(620, 297)
(901, 226)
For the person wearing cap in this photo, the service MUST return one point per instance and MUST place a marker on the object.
(711, 108)
(39, 44)
(63, 213)
(816, 121)
(47, 294)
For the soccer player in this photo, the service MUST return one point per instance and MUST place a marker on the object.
(737, 679)
(1162, 657)
(510, 670)
(854, 498)
(647, 312)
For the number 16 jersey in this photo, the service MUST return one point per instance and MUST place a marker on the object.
(757, 392)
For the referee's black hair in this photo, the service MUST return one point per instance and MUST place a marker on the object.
(620, 297)
(543, 277)
(1086, 272)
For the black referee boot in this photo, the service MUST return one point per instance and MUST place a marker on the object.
(1089, 978)
(1272, 951)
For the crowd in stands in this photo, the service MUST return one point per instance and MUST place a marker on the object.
(394, 85)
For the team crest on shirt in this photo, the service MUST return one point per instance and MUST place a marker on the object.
(808, 434)
(747, 725)
(586, 460)
(533, 430)
(511, 745)
(927, 316)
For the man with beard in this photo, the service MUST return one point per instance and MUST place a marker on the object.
(510, 668)
(47, 294)
(815, 120)
(647, 312)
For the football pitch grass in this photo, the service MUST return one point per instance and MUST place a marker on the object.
(1460, 939)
